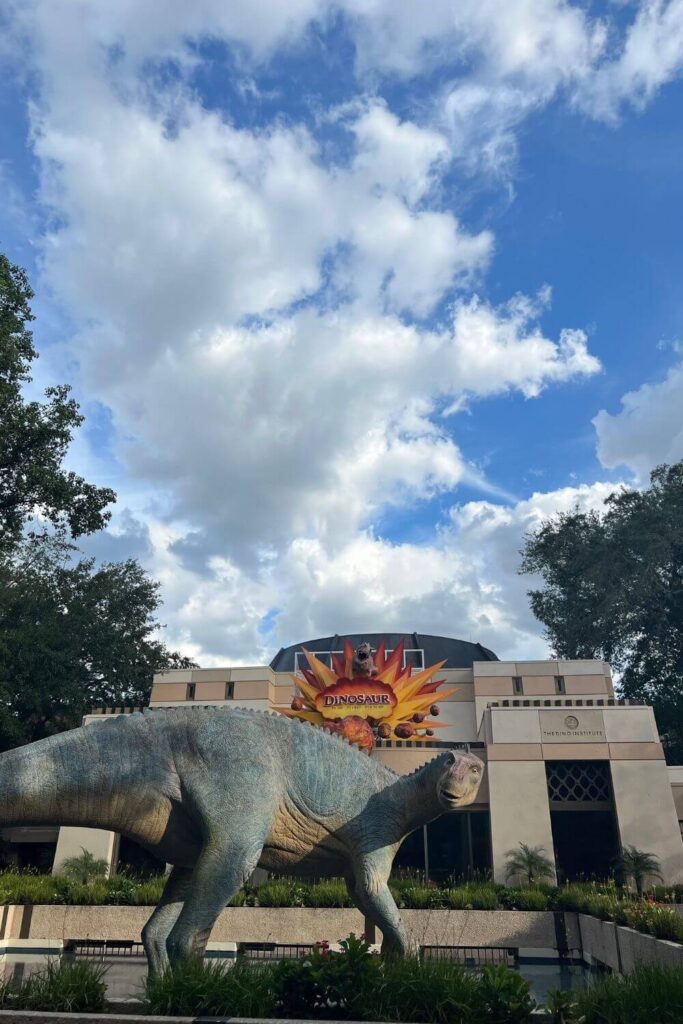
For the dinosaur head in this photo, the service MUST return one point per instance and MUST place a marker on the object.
(459, 781)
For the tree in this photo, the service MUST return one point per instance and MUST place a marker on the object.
(638, 865)
(613, 589)
(85, 868)
(530, 862)
(73, 635)
(34, 436)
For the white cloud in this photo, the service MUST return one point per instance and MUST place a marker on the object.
(254, 315)
(648, 430)
(647, 56)
(463, 584)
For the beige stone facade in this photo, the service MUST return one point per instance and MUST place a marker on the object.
(538, 724)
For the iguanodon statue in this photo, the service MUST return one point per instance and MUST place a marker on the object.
(216, 793)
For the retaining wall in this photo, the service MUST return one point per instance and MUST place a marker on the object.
(534, 933)
(530, 930)
(622, 949)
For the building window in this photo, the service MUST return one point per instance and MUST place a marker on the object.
(559, 684)
(191, 690)
(517, 685)
(578, 782)
(229, 691)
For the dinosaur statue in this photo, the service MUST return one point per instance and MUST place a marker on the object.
(216, 793)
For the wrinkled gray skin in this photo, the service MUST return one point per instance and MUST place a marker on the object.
(217, 793)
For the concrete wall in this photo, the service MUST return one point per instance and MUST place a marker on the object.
(646, 813)
(622, 949)
(507, 928)
(518, 798)
(72, 841)
(532, 932)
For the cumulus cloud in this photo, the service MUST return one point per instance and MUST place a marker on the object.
(279, 336)
(648, 430)
(465, 583)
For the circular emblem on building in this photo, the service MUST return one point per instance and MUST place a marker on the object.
(572, 722)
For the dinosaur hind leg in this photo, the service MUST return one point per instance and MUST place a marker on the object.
(165, 915)
(222, 868)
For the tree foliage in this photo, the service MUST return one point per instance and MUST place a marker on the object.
(638, 865)
(34, 436)
(529, 863)
(613, 589)
(85, 868)
(73, 633)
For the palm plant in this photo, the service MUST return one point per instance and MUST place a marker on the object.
(529, 862)
(85, 868)
(637, 864)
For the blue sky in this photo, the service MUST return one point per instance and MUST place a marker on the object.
(352, 293)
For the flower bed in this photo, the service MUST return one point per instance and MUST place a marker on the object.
(655, 914)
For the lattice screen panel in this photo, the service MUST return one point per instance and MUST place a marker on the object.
(578, 781)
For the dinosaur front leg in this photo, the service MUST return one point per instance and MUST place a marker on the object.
(374, 899)
(165, 915)
(221, 869)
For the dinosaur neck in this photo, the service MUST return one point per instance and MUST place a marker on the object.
(61, 780)
(416, 796)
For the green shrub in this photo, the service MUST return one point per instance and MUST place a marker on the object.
(458, 899)
(423, 992)
(147, 893)
(330, 893)
(483, 896)
(528, 898)
(326, 984)
(121, 890)
(662, 922)
(239, 899)
(561, 1006)
(505, 996)
(212, 989)
(64, 987)
(406, 878)
(283, 892)
(422, 897)
(17, 887)
(650, 995)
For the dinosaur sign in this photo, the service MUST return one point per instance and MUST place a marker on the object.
(365, 695)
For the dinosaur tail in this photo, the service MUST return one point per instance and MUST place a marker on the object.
(55, 781)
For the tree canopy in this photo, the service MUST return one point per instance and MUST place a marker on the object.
(34, 436)
(73, 633)
(613, 589)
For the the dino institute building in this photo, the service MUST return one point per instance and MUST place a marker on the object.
(569, 767)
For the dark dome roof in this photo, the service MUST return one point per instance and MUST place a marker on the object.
(456, 653)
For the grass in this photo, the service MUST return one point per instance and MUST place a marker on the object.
(209, 989)
(64, 987)
(650, 995)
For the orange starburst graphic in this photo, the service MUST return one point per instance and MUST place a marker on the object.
(379, 696)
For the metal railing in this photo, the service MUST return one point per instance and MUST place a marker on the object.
(471, 956)
(103, 948)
